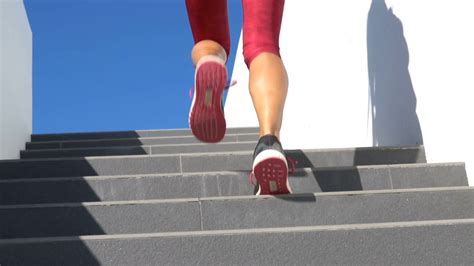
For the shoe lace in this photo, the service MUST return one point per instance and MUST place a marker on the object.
(252, 179)
(292, 164)
(230, 83)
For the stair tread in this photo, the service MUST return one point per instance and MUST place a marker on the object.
(127, 134)
(216, 213)
(173, 175)
(445, 242)
(288, 151)
(244, 197)
(252, 231)
(167, 149)
(201, 162)
(163, 140)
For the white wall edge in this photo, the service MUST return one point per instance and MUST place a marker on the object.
(16, 115)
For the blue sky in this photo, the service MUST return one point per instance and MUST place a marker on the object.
(102, 65)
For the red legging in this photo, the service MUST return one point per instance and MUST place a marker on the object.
(262, 21)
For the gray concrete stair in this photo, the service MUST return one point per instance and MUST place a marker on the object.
(445, 242)
(140, 141)
(152, 197)
(132, 134)
(201, 162)
(234, 183)
(219, 213)
(139, 150)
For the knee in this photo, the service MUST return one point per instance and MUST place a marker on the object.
(252, 50)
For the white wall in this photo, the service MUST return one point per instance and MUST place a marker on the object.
(15, 78)
(419, 58)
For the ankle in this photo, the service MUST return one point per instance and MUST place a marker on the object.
(269, 132)
(268, 141)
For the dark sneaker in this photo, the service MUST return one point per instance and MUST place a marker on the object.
(270, 167)
(206, 116)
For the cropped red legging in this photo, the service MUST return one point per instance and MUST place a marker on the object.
(262, 22)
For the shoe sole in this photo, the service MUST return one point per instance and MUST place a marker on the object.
(207, 119)
(271, 171)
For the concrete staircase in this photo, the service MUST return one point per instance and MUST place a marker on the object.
(161, 197)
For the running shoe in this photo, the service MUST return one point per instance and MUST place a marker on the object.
(206, 116)
(270, 168)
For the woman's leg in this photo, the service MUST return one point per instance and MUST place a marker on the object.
(210, 27)
(268, 87)
(268, 77)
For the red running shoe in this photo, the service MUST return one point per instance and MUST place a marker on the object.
(206, 116)
(270, 167)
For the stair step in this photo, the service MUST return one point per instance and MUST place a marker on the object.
(202, 162)
(211, 184)
(129, 134)
(162, 197)
(445, 242)
(132, 141)
(138, 150)
(125, 217)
